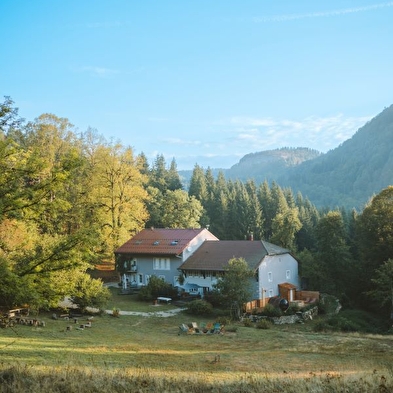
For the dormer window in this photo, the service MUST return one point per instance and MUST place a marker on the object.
(174, 242)
(156, 243)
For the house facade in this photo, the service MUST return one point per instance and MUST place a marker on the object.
(159, 252)
(274, 267)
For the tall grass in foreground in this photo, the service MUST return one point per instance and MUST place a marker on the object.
(20, 378)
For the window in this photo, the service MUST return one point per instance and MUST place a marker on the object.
(288, 274)
(162, 277)
(161, 264)
(270, 292)
(140, 276)
(270, 277)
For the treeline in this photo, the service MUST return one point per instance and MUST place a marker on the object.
(69, 199)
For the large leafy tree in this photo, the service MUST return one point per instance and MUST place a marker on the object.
(37, 167)
(180, 210)
(234, 288)
(116, 194)
(59, 212)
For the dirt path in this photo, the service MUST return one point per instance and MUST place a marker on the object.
(161, 314)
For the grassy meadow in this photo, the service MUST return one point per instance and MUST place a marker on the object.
(147, 354)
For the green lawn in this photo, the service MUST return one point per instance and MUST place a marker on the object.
(143, 354)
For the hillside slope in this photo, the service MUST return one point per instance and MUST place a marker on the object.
(270, 164)
(347, 176)
(350, 174)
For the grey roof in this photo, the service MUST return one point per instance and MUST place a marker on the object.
(214, 255)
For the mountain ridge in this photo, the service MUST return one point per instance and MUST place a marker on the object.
(347, 176)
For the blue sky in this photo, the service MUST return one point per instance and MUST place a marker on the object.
(203, 82)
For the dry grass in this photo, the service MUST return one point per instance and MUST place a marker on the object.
(139, 354)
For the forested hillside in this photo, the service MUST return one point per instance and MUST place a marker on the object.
(347, 176)
(269, 165)
(353, 172)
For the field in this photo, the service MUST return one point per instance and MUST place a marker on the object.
(147, 354)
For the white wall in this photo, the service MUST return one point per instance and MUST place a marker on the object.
(276, 268)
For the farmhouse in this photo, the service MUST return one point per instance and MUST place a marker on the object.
(159, 252)
(276, 270)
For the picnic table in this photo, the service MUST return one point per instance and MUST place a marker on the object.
(164, 299)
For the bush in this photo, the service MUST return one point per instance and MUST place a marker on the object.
(270, 311)
(89, 292)
(342, 324)
(321, 326)
(328, 304)
(336, 324)
(214, 298)
(248, 323)
(292, 309)
(224, 320)
(263, 324)
(155, 288)
(199, 307)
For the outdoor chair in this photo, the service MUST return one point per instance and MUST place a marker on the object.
(183, 328)
(217, 328)
(194, 326)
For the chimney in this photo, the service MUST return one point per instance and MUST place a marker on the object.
(251, 236)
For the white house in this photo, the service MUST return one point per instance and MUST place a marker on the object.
(159, 252)
(275, 268)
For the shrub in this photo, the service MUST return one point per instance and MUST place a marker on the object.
(224, 320)
(270, 311)
(321, 326)
(342, 324)
(293, 309)
(199, 307)
(231, 328)
(336, 323)
(263, 324)
(214, 298)
(247, 322)
(155, 288)
(328, 304)
(89, 292)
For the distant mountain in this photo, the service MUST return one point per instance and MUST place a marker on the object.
(347, 176)
(265, 165)
(353, 172)
(270, 164)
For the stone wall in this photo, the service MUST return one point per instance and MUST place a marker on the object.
(299, 317)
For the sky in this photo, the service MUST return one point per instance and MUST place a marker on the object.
(201, 82)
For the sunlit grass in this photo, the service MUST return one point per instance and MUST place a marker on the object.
(149, 353)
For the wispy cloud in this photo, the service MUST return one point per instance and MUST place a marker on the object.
(315, 132)
(100, 72)
(338, 12)
(225, 142)
(182, 142)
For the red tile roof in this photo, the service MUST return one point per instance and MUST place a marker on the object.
(162, 241)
